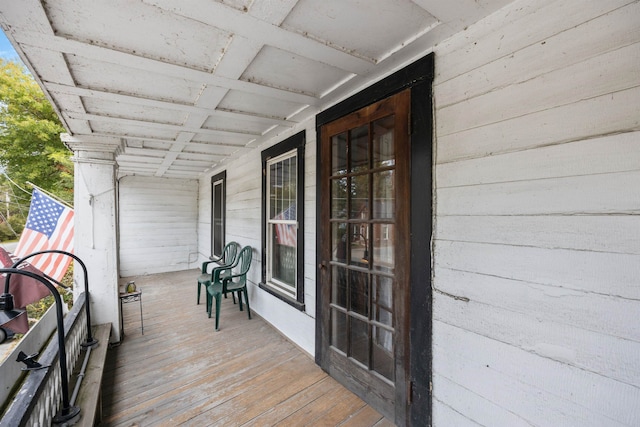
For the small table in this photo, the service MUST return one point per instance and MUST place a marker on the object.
(127, 297)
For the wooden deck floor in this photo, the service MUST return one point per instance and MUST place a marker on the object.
(182, 372)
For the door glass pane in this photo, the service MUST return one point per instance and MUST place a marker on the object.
(339, 330)
(383, 195)
(339, 154)
(359, 193)
(339, 241)
(339, 198)
(383, 352)
(359, 244)
(359, 335)
(383, 258)
(359, 148)
(382, 299)
(383, 144)
(359, 292)
(339, 286)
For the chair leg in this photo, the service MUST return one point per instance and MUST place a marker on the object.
(199, 292)
(218, 298)
(240, 300)
(246, 299)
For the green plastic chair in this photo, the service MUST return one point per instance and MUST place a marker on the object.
(228, 257)
(224, 282)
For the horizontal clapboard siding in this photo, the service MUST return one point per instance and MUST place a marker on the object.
(244, 225)
(157, 225)
(537, 229)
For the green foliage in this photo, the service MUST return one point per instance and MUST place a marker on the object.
(37, 309)
(30, 145)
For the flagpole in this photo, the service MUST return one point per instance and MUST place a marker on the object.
(53, 196)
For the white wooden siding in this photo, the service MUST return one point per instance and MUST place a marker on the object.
(537, 227)
(243, 225)
(157, 225)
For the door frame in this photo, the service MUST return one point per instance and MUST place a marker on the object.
(418, 77)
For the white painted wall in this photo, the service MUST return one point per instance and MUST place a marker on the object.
(537, 225)
(243, 225)
(158, 225)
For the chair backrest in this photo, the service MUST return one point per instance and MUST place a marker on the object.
(229, 253)
(245, 257)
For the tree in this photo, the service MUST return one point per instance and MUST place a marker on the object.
(30, 145)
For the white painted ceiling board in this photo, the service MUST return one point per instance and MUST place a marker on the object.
(188, 84)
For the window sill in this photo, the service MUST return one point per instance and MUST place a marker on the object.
(296, 304)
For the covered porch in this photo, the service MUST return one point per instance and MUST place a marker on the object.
(182, 372)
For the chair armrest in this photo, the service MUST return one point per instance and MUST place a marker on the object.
(215, 273)
(205, 265)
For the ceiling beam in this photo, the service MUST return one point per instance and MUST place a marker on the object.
(245, 25)
(99, 53)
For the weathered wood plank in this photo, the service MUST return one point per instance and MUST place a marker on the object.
(182, 372)
(603, 115)
(564, 269)
(581, 195)
(612, 153)
(89, 399)
(532, 386)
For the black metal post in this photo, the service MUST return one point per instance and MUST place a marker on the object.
(67, 412)
(90, 342)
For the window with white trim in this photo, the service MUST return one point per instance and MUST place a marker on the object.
(283, 171)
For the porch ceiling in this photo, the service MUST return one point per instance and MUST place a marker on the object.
(181, 87)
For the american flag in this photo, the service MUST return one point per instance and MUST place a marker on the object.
(49, 226)
(287, 234)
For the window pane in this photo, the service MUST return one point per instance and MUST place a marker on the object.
(383, 247)
(359, 292)
(383, 144)
(359, 244)
(282, 189)
(339, 330)
(339, 154)
(359, 148)
(383, 352)
(359, 340)
(339, 241)
(283, 255)
(339, 198)
(383, 195)
(339, 286)
(359, 193)
(218, 240)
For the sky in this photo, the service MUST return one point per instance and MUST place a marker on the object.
(6, 50)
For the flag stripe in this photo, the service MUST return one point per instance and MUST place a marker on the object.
(49, 227)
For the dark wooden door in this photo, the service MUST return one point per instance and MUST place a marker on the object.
(365, 252)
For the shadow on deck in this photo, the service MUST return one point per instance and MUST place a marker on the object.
(182, 372)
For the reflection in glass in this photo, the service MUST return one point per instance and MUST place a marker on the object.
(339, 154)
(383, 247)
(383, 352)
(339, 241)
(339, 198)
(383, 195)
(339, 330)
(359, 148)
(359, 341)
(339, 286)
(383, 144)
(359, 244)
(383, 300)
(359, 193)
(359, 292)
(283, 254)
